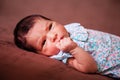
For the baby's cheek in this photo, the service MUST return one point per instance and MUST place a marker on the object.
(52, 50)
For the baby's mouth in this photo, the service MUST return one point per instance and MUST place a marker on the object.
(59, 38)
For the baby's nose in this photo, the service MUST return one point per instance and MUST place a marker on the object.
(52, 36)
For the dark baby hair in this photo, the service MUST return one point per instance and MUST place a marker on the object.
(22, 29)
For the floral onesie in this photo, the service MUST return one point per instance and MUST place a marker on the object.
(104, 48)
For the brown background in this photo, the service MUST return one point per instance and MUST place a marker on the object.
(103, 15)
(96, 14)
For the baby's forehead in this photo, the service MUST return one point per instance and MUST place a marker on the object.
(41, 19)
(40, 22)
(40, 25)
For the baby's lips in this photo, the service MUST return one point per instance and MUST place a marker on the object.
(59, 39)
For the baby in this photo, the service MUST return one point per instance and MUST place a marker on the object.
(86, 50)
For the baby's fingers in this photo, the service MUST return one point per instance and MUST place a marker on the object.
(64, 44)
(58, 45)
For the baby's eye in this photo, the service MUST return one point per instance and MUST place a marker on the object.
(43, 43)
(50, 26)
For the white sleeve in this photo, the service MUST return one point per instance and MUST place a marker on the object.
(61, 56)
(77, 31)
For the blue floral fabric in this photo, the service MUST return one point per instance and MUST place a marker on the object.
(103, 47)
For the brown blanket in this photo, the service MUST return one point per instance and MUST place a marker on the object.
(16, 64)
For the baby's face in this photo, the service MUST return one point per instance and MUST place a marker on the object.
(44, 35)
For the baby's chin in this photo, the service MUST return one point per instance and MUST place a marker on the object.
(52, 54)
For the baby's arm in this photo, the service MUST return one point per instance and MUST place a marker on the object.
(81, 60)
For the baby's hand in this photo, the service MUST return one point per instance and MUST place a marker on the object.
(66, 44)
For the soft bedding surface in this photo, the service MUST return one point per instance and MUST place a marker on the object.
(16, 64)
